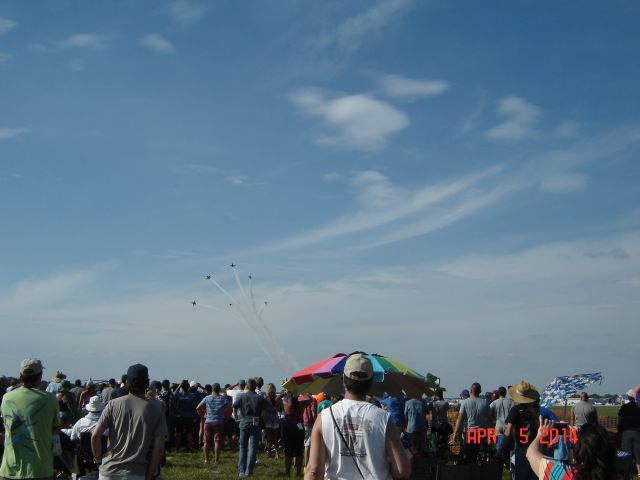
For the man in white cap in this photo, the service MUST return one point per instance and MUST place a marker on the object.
(30, 418)
(353, 438)
(89, 421)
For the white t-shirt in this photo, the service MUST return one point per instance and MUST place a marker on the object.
(234, 394)
(364, 427)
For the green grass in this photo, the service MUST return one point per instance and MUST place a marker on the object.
(190, 466)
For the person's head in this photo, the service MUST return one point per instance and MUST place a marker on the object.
(357, 374)
(31, 372)
(464, 394)
(216, 388)
(242, 384)
(502, 392)
(123, 379)
(90, 385)
(524, 393)
(184, 385)
(595, 453)
(475, 389)
(65, 385)
(251, 384)
(631, 395)
(193, 385)
(166, 384)
(584, 396)
(208, 389)
(137, 379)
(271, 390)
(78, 382)
(112, 382)
(439, 395)
(259, 382)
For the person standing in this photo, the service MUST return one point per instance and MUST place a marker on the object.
(54, 386)
(216, 408)
(583, 412)
(250, 408)
(629, 427)
(474, 415)
(415, 413)
(522, 423)
(499, 409)
(136, 427)
(353, 438)
(30, 419)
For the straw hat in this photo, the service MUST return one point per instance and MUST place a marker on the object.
(58, 376)
(524, 392)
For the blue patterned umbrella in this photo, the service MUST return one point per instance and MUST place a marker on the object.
(562, 387)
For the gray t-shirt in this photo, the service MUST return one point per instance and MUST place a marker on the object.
(585, 413)
(133, 423)
(499, 410)
(476, 411)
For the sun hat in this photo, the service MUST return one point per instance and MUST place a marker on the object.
(58, 376)
(95, 404)
(524, 392)
(358, 367)
(30, 366)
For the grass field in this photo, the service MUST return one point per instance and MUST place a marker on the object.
(190, 466)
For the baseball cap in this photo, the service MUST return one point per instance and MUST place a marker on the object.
(242, 382)
(137, 374)
(631, 393)
(30, 366)
(358, 367)
(464, 393)
(193, 383)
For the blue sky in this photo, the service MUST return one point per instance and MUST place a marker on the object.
(455, 185)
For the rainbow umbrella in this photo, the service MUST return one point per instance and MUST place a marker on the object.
(389, 376)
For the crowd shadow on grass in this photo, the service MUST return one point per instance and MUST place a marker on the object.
(191, 466)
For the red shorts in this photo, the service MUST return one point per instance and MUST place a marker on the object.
(213, 429)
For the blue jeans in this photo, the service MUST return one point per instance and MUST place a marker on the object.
(521, 470)
(249, 439)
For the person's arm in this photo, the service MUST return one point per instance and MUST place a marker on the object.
(534, 455)
(398, 456)
(315, 466)
(96, 442)
(156, 457)
(456, 429)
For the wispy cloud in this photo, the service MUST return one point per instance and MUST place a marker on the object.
(401, 88)
(351, 33)
(387, 213)
(564, 182)
(88, 41)
(7, 133)
(362, 122)
(521, 120)
(237, 180)
(6, 25)
(158, 44)
(383, 203)
(186, 13)
(567, 129)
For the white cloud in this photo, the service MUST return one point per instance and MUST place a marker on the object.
(564, 182)
(363, 122)
(411, 89)
(237, 180)
(6, 25)
(521, 120)
(7, 133)
(88, 41)
(382, 204)
(350, 34)
(186, 13)
(567, 129)
(157, 43)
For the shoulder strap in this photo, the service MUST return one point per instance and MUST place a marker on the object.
(344, 440)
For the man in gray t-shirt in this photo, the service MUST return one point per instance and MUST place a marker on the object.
(137, 427)
(584, 412)
(474, 413)
(500, 409)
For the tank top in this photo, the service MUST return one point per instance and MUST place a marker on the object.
(364, 427)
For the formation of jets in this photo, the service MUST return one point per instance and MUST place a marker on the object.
(193, 303)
